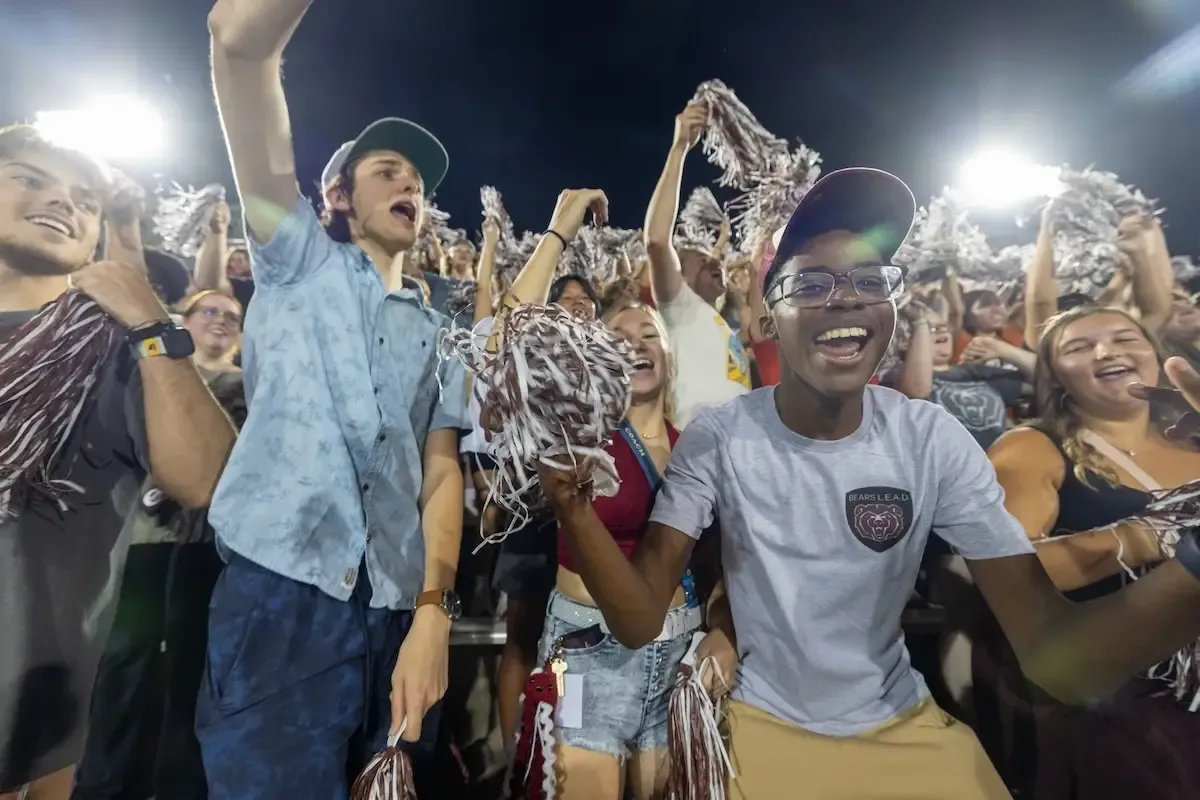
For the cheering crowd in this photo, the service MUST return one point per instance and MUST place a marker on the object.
(697, 465)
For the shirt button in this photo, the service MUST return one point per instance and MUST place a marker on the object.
(383, 437)
(366, 487)
(381, 340)
(348, 581)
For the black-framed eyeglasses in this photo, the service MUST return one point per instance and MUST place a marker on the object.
(812, 288)
(212, 312)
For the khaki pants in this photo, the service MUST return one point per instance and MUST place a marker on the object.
(923, 754)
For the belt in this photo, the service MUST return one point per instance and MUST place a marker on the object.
(679, 621)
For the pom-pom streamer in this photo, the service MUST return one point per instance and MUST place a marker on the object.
(698, 763)
(554, 391)
(388, 776)
(1085, 217)
(48, 368)
(735, 141)
(182, 215)
(1173, 513)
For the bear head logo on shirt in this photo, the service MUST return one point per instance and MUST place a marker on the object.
(879, 516)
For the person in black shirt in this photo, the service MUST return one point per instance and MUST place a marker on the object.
(61, 554)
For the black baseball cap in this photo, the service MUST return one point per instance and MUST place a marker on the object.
(401, 136)
(869, 202)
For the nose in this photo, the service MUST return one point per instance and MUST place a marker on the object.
(1103, 351)
(58, 197)
(844, 297)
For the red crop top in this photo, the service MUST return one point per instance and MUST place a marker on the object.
(626, 513)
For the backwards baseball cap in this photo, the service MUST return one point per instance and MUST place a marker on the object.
(408, 139)
(872, 203)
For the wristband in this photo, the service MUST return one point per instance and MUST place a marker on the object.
(557, 235)
(1187, 553)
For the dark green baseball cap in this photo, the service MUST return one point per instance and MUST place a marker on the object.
(401, 136)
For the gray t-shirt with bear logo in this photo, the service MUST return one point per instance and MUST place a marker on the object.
(822, 540)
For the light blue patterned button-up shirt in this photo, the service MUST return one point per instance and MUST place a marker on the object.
(342, 382)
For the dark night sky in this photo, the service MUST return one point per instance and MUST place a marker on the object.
(537, 96)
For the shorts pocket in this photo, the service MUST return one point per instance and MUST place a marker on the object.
(557, 629)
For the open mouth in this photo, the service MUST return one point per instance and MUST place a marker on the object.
(1115, 372)
(55, 224)
(643, 365)
(405, 210)
(842, 345)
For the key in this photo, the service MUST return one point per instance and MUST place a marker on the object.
(559, 667)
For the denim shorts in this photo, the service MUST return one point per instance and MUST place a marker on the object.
(625, 692)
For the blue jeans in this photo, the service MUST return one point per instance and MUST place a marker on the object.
(626, 693)
(295, 696)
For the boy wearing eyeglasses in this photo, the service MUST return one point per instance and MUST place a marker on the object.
(826, 489)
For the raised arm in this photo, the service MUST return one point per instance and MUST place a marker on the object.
(666, 274)
(1151, 278)
(212, 259)
(1067, 648)
(532, 284)
(248, 38)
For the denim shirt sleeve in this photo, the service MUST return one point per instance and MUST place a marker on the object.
(299, 249)
(451, 410)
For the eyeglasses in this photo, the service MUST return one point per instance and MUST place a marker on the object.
(212, 312)
(812, 288)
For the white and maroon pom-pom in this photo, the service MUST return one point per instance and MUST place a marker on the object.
(699, 766)
(389, 775)
(555, 391)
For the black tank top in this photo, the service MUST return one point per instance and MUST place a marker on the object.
(1082, 507)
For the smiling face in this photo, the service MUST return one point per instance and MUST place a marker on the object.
(50, 212)
(986, 313)
(387, 205)
(215, 323)
(1097, 357)
(704, 273)
(832, 346)
(238, 265)
(574, 298)
(1183, 326)
(638, 326)
(462, 261)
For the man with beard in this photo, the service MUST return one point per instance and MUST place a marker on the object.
(341, 508)
(61, 555)
(826, 490)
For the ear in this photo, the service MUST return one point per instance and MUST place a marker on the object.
(337, 199)
(767, 324)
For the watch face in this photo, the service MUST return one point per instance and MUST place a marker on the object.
(179, 343)
(451, 605)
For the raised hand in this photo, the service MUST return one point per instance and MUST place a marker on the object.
(573, 205)
(690, 124)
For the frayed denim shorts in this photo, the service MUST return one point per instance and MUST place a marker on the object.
(626, 693)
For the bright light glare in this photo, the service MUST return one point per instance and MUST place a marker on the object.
(116, 129)
(997, 178)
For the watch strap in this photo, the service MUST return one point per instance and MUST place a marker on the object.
(149, 347)
(1187, 552)
(433, 597)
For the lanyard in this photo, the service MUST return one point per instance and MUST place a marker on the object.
(655, 480)
(643, 456)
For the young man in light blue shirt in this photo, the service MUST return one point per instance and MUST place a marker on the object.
(341, 507)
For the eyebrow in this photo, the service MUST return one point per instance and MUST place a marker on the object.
(87, 191)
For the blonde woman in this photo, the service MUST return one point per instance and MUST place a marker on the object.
(1089, 461)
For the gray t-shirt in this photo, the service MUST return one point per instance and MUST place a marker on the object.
(821, 542)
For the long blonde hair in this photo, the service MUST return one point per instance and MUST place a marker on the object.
(668, 388)
(1058, 415)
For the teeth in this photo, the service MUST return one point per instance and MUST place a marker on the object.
(842, 333)
(52, 224)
